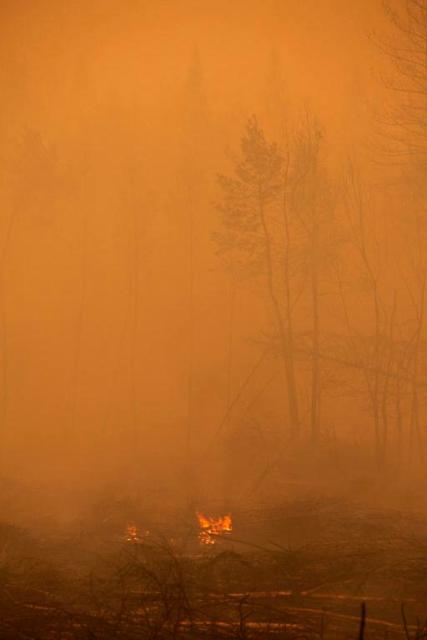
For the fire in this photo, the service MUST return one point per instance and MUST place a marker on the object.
(131, 533)
(211, 528)
(134, 535)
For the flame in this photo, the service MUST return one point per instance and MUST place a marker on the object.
(210, 528)
(133, 534)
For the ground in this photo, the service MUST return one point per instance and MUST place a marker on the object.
(298, 569)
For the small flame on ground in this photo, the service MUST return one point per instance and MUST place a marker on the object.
(211, 528)
(131, 533)
(134, 535)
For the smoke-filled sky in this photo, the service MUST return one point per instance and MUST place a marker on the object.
(126, 344)
(64, 62)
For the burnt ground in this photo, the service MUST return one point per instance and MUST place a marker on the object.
(298, 570)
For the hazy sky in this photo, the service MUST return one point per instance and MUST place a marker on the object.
(92, 124)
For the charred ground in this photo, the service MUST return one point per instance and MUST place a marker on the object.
(298, 570)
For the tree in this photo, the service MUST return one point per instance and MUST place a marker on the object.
(407, 51)
(36, 186)
(312, 205)
(253, 234)
(194, 135)
(406, 130)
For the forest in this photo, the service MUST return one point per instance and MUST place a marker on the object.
(213, 331)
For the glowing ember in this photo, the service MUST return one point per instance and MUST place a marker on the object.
(131, 533)
(134, 535)
(211, 528)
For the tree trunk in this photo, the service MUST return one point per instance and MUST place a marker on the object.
(288, 361)
(315, 362)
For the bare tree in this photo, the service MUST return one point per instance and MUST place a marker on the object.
(249, 208)
(406, 49)
(406, 131)
(36, 185)
(194, 131)
(370, 347)
(312, 206)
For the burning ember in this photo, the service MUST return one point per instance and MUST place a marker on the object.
(211, 528)
(133, 535)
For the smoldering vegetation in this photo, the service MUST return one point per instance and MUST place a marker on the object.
(213, 362)
(97, 580)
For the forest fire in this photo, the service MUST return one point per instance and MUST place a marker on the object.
(213, 320)
(211, 528)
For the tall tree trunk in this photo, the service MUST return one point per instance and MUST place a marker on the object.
(386, 385)
(379, 447)
(415, 432)
(290, 350)
(189, 471)
(399, 424)
(289, 369)
(230, 341)
(315, 362)
(134, 333)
